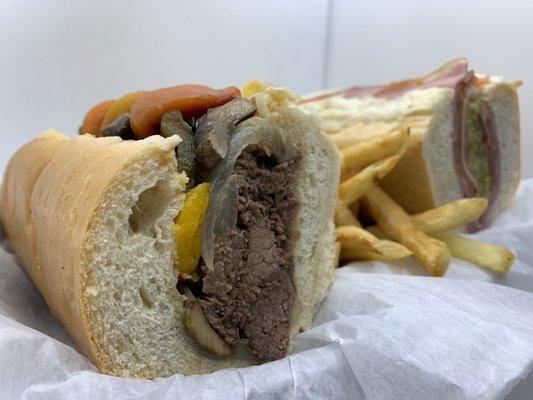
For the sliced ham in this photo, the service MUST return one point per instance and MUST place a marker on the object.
(448, 76)
(488, 123)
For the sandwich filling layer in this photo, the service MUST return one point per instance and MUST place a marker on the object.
(249, 293)
(481, 154)
(476, 152)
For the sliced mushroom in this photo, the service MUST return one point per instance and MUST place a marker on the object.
(172, 123)
(119, 127)
(198, 327)
(214, 130)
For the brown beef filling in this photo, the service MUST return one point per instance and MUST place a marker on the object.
(249, 294)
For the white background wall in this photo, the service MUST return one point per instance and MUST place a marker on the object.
(60, 57)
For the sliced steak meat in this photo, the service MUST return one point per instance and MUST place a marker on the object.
(249, 294)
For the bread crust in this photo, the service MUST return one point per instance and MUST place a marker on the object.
(20, 177)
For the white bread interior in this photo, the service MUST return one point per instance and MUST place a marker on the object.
(101, 213)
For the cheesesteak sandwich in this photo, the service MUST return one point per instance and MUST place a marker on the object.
(465, 135)
(185, 230)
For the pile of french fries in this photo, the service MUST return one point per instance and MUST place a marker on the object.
(428, 237)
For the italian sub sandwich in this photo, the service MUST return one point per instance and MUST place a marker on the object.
(185, 230)
(465, 135)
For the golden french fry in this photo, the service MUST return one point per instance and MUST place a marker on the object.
(385, 250)
(352, 237)
(431, 253)
(362, 132)
(448, 217)
(491, 256)
(353, 188)
(451, 216)
(344, 216)
(360, 155)
(354, 208)
(341, 140)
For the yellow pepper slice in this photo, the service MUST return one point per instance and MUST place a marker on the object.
(119, 107)
(188, 228)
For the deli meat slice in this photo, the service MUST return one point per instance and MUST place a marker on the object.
(448, 76)
(488, 123)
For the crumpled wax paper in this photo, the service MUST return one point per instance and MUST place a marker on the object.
(382, 333)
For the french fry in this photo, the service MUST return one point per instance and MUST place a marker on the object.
(487, 255)
(384, 250)
(354, 187)
(431, 253)
(344, 216)
(354, 208)
(361, 132)
(358, 244)
(360, 155)
(451, 216)
(448, 217)
(342, 139)
(352, 237)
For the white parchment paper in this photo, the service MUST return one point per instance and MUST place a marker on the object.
(382, 333)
